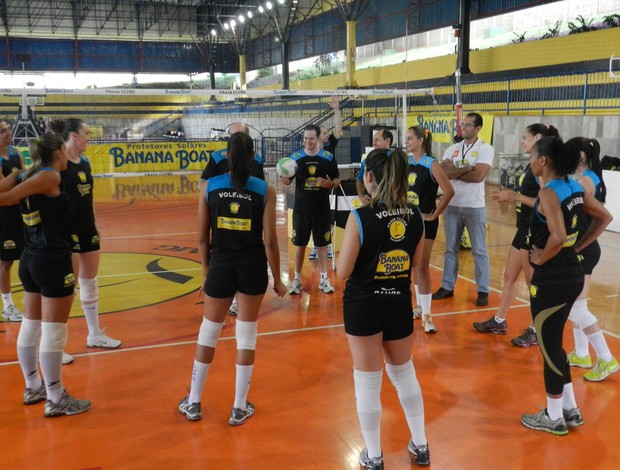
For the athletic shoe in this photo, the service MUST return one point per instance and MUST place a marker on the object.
(541, 422)
(429, 326)
(483, 299)
(491, 326)
(421, 455)
(66, 358)
(602, 369)
(32, 397)
(233, 307)
(102, 341)
(239, 416)
(325, 286)
(367, 463)
(313, 255)
(526, 339)
(417, 312)
(442, 294)
(577, 361)
(573, 417)
(295, 287)
(66, 406)
(191, 412)
(12, 313)
(330, 252)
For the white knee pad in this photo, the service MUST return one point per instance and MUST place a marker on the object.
(209, 333)
(580, 315)
(89, 290)
(53, 337)
(368, 390)
(29, 333)
(404, 379)
(246, 335)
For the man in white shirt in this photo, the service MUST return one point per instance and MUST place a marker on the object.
(467, 164)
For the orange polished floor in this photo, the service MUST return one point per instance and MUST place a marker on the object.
(475, 386)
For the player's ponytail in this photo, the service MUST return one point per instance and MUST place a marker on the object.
(390, 169)
(240, 153)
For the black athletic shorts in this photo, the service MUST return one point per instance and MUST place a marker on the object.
(319, 225)
(430, 229)
(590, 257)
(51, 276)
(369, 317)
(224, 281)
(84, 241)
(520, 239)
(11, 242)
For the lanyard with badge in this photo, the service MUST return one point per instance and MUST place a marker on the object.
(464, 162)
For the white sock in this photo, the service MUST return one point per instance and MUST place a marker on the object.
(7, 299)
(568, 397)
(28, 341)
(581, 342)
(425, 303)
(498, 319)
(554, 408)
(298, 276)
(91, 313)
(242, 385)
(600, 346)
(51, 364)
(404, 379)
(324, 275)
(417, 294)
(199, 376)
(368, 401)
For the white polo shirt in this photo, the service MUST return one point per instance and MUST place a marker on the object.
(469, 194)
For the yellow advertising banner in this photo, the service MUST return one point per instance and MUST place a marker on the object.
(443, 125)
(151, 157)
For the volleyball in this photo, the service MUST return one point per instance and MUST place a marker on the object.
(286, 167)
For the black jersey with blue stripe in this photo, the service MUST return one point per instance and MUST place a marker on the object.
(45, 223)
(528, 186)
(422, 185)
(78, 183)
(236, 221)
(571, 197)
(311, 198)
(388, 240)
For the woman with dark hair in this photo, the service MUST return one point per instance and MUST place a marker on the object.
(237, 238)
(425, 177)
(78, 181)
(585, 325)
(555, 239)
(46, 273)
(11, 231)
(518, 256)
(382, 243)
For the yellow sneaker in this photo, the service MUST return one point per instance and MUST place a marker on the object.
(602, 369)
(578, 361)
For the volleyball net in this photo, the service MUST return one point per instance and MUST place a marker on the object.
(175, 131)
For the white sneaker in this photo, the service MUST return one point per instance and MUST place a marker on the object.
(233, 307)
(102, 341)
(325, 286)
(417, 312)
(295, 287)
(429, 326)
(66, 358)
(12, 313)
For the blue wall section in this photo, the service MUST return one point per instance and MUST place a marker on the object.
(66, 55)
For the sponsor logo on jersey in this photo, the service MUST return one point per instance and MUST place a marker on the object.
(411, 179)
(69, 280)
(533, 290)
(312, 170)
(395, 261)
(386, 291)
(397, 229)
(32, 219)
(9, 245)
(234, 207)
(412, 198)
(230, 223)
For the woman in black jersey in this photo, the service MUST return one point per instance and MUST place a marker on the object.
(558, 278)
(11, 232)
(78, 181)
(586, 328)
(518, 256)
(425, 178)
(46, 274)
(382, 243)
(237, 238)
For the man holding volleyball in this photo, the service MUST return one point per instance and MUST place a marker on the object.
(317, 173)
